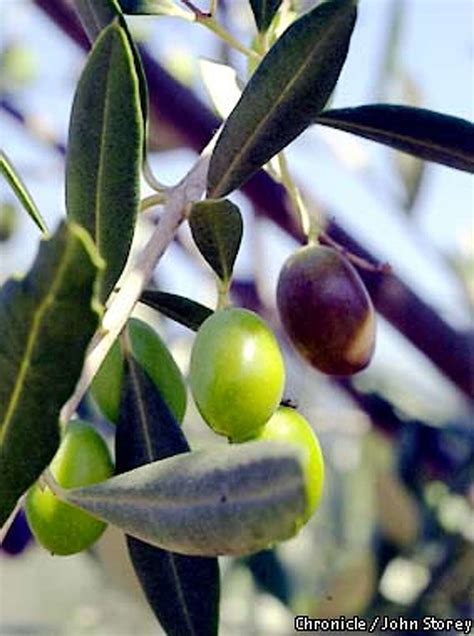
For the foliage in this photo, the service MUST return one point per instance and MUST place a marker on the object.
(180, 508)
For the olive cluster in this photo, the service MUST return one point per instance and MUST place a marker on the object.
(237, 378)
(237, 373)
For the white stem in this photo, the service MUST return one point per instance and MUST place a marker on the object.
(190, 189)
(6, 526)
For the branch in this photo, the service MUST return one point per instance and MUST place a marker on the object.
(176, 105)
(189, 190)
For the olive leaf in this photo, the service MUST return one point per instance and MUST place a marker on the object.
(46, 322)
(216, 226)
(95, 15)
(285, 94)
(180, 309)
(264, 12)
(230, 500)
(104, 151)
(183, 591)
(423, 133)
(270, 574)
(21, 191)
(153, 7)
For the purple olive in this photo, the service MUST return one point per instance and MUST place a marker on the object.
(326, 310)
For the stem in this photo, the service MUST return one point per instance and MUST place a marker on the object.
(222, 294)
(210, 23)
(307, 222)
(358, 261)
(151, 179)
(188, 190)
(152, 200)
(51, 482)
(6, 526)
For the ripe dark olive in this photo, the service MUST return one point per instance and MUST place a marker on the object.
(82, 459)
(326, 310)
(237, 373)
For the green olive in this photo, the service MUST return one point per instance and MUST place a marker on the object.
(237, 373)
(82, 459)
(152, 354)
(287, 425)
(326, 310)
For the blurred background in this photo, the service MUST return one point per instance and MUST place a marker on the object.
(394, 534)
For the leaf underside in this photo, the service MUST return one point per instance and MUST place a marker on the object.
(46, 322)
(104, 151)
(217, 227)
(183, 591)
(287, 91)
(423, 133)
(230, 500)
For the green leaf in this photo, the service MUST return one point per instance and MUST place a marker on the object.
(183, 310)
(287, 91)
(104, 151)
(153, 7)
(46, 322)
(217, 229)
(264, 12)
(95, 16)
(423, 133)
(270, 574)
(19, 188)
(230, 500)
(183, 591)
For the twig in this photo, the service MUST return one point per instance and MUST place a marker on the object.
(358, 261)
(188, 190)
(6, 526)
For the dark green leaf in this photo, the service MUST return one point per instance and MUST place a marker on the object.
(423, 133)
(95, 15)
(264, 12)
(104, 151)
(217, 229)
(183, 591)
(287, 91)
(19, 188)
(153, 7)
(270, 574)
(183, 310)
(231, 500)
(46, 322)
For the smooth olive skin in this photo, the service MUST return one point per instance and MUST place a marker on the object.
(289, 426)
(82, 459)
(153, 355)
(326, 310)
(237, 373)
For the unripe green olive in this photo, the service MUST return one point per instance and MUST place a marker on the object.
(237, 373)
(287, 425)
(326, 310)
(153, 355)
(82, 459)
